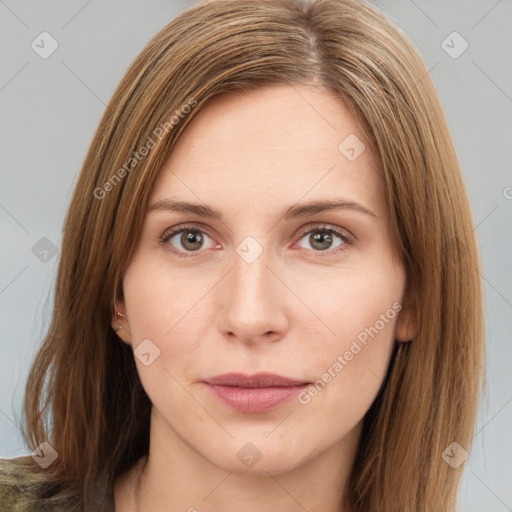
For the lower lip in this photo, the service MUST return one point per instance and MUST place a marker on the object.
(255, 399)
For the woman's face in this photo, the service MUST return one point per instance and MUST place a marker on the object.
(264, 287)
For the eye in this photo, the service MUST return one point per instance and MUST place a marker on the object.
(321, 239)
(190, 238)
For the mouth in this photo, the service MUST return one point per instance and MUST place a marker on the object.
(254, 393)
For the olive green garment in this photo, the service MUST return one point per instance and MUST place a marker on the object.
(22, 489)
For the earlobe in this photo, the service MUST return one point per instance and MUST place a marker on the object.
(121, 331)
(406, 329)
(407, 323)
(119, 322)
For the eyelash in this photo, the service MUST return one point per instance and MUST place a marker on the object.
(347, 238)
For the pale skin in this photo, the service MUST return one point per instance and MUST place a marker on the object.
(292, 311)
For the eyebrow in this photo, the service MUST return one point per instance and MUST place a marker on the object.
(300, 210)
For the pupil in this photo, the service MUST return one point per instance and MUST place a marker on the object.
(191, 238)
(318, 238)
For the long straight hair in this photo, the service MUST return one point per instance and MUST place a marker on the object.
(83, 393)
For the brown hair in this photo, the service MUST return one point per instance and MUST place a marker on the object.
(83, 393)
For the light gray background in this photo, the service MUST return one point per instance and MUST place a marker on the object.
(50, 109)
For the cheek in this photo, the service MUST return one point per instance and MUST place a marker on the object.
(172, 316)
(352, 302)
(360, 316)
(349, 372)
(154, 300)
(159, 312)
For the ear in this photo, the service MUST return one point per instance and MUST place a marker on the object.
(406, 327)
(120, 322)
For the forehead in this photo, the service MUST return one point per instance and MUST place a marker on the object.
(273, 144)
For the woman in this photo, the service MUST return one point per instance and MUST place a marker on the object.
(268, 294)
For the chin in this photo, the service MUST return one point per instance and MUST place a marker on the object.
(259, 457)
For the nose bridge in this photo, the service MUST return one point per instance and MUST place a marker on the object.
(249, 300)
(251, 276)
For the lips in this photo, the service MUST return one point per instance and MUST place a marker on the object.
(259, 380)
(254, 393)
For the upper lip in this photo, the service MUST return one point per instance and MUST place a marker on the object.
(258, 380)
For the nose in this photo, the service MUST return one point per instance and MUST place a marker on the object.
(252, 306)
